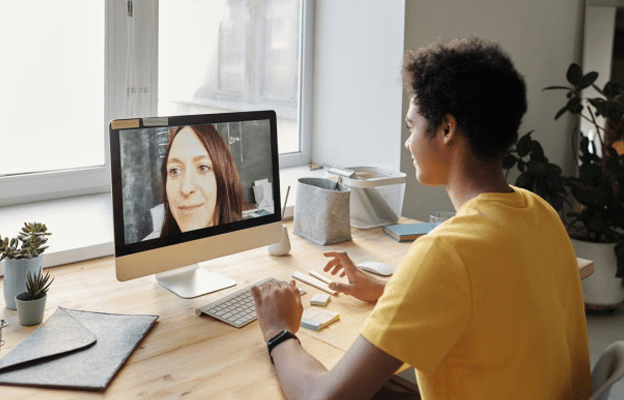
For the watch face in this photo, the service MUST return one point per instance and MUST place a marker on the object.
(283, 335)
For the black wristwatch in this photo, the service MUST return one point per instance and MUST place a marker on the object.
(279, 338)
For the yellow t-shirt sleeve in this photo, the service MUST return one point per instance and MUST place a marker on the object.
(425, 308)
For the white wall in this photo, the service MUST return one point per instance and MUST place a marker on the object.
(542, 37)
(358, 52)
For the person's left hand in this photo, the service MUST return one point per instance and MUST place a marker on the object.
(278, 307)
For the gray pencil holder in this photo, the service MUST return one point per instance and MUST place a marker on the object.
(322, 211)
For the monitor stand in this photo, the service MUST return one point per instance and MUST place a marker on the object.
(193, 281)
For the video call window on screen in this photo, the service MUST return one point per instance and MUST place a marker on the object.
(177, 179)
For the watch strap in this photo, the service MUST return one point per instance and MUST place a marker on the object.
(279, 338)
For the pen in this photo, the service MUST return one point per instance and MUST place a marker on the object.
(285, 202)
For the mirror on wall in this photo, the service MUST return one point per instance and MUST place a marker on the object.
(603, 47)
(617, 60)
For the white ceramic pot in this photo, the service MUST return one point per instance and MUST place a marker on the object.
(30, 312)
(601, 289)
(15, 273)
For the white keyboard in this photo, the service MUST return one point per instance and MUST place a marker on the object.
(237, 309)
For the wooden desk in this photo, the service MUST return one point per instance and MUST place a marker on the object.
(198, 356)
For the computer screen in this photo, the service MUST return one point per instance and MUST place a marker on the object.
(191, 188)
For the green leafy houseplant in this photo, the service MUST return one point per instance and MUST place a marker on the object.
(33, 239)
(598, 187)
(37, 286)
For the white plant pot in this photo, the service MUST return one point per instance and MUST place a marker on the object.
(30, 312)
(15, 273)
(601, 289)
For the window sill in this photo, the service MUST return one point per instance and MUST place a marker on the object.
(82, 227)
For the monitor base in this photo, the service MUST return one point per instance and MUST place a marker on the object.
(193, 281)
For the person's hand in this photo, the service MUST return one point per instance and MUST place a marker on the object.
(361, 285)
(278, 307)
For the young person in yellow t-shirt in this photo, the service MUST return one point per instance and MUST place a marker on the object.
(486, 306)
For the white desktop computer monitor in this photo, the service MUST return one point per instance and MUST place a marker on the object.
(192, 188)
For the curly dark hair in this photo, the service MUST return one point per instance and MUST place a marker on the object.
(474, 81)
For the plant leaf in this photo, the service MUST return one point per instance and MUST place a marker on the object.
(536, 168)
(525, 181)
(588, 79)
(524, 145)
(561, 112)
(556, 202)
(611, 89)
(558, 88)
(574, 105)
(537, 153)
(509, 161)
(555, 169)
(575, 74)
(521, 166)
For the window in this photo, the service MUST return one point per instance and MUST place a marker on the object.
(52, 93)
(231, 55)
(48, 90)
(118, 58)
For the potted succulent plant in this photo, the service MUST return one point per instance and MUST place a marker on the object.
(31, 303)
(596, 220)
(22, 255)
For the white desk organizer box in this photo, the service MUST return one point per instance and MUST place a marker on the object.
(376, 194)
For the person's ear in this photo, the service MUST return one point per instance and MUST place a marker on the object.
(449, 128)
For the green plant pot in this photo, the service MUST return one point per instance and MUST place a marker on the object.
(15, 273)
(30, 312)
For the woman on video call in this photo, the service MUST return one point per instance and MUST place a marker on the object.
(201, 184)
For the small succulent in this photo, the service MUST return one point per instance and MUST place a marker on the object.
(33, 239)
(37, 286)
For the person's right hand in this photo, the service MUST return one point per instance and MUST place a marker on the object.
(278, 307)
(361, 285)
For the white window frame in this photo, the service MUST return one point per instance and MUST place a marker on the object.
(306, 72)
(46, 186)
